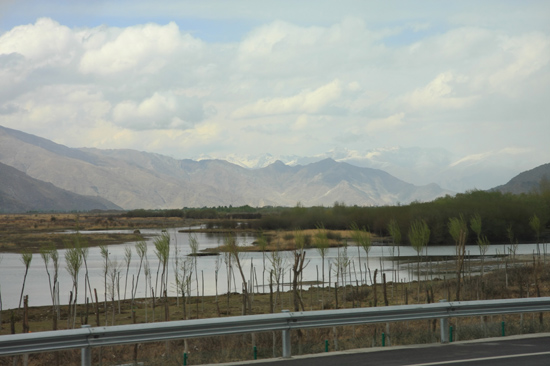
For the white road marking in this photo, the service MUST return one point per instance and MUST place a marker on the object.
(480, 359)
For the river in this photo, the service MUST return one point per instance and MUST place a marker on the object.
(37, 285)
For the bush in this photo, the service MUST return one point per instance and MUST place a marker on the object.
(332, 235)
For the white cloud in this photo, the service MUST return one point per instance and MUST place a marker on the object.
(283, 50)
(523, 56)
(44, 44)
(58, 107)
(440, 93)
(503, 154)
(144, 49)
(352, 75)
(309, 101)
(302, 123)
(481, 60)
(390, 123)
(160, 111)
(418, 27)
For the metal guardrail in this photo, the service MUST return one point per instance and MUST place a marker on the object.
(87, 337)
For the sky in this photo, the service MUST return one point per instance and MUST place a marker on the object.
(213, 78)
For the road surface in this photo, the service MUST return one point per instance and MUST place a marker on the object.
(532, 350)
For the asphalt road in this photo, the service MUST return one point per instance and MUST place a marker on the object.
(524, 350)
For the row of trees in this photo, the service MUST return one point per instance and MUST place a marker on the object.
(500, 213)
(199, 213)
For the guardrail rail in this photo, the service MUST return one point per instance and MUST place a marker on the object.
(88, 337)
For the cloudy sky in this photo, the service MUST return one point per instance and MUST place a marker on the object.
(192, 78)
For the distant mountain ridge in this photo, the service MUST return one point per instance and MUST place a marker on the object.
(415, 165)
(133, 179)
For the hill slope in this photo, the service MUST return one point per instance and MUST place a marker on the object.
(527, 181)
(21, 193)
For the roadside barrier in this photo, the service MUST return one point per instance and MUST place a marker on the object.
(88, 337)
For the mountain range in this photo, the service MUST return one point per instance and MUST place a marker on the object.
(415, 165)
(130, 179)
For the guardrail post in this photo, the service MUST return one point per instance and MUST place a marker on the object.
(286, 340)
(444, 326)
(86, 352)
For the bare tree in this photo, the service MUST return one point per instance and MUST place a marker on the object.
(194, 245)
(277, 262)
(513, 242)
(395, 233)
(73, 259)
(49, 253)
(87, 286)
(162, 251)
(26, 258)
(298, 267)
(482, 241)
(233, 248)
(229, 269)
(141, 249)
(176, 265)
(148, 279)
(362, 239)
(419, 235)
(183, 279)
(321, 243)
(46, 254)
(104, 251)
(114, 276)
(343, 263)
(217, 270)
(127, 260)
(459, 231)
(534, 223)
(262, 244)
